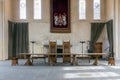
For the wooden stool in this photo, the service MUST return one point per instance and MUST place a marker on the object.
(111, 61)
(14, 61)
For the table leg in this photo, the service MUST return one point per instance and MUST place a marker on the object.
(50, 59)
(28, 62)
(74, 60)
(96, 60)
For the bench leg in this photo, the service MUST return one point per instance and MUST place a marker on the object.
(44, 60)
(14, 61)
(89, 60)
(111, 61)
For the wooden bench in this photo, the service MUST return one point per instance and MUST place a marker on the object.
(37, 56)
(83, 57)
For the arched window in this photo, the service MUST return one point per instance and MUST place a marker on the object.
(22, 9)
(37, 9)
(96, 9)
(82, 9)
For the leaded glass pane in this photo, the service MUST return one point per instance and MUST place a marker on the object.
(37, 9)
(82, 9)
(96, 9)
(22, 9)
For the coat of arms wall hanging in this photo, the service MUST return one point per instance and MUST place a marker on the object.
(60, 16)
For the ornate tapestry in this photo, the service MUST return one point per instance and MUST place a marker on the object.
(60, 16)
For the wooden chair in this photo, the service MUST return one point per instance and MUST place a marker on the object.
(52, 55)
(111, 61)
(66, 50)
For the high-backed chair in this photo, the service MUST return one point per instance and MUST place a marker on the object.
(66, 51)
(52, 55)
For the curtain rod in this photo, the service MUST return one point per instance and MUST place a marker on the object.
(17, 21)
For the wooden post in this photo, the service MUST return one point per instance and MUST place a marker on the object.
(14, 61)
(28, 62)
(111, 61)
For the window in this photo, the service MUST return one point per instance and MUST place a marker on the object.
(82, 9)
(22, 9)
(37, 9)
(96, 7)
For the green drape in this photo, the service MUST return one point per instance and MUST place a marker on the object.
(96, 29)
(10, 39)
(109, 25)
(18, 38)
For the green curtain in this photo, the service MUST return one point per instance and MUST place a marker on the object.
(10, 39)
(96, 29)
(18, 38)
(109, 25)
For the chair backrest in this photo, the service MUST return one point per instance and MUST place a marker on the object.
(52, 47)
(66, 47)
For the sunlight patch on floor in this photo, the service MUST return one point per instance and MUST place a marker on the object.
(91, 75)
(84, 68)
(115, 67)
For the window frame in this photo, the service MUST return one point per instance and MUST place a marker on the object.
(85, 15)
(99, 11)
(34, 11)
(20, 11)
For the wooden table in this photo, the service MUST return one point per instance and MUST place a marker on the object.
(52, 57)
(52, 61)
(36, 56)
(96, 55)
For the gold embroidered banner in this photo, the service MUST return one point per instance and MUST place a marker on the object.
(60, 16)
